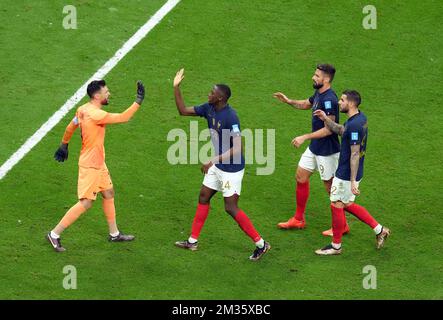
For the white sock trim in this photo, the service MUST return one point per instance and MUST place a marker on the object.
(115, 234)
(54, 235)
(260, 243)
(336, 246)
(378, 229)
(192, 240)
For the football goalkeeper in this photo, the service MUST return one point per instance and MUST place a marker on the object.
(93, 174)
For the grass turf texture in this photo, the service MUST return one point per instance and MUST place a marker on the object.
(257, 48)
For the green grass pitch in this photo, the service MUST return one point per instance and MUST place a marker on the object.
(257, 47)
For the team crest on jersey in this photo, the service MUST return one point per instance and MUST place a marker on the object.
(328, 105)
(235, 128)
(354, 136)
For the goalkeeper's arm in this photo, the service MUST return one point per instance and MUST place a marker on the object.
(62, 152)
(128, 113)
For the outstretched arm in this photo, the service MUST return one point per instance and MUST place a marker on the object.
(179, 102)
(297, 104)
(329, 123)
(126, 115)
(321, 133)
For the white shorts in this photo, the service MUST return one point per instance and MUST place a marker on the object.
(341, 191)
(227, 182)
(325, 165)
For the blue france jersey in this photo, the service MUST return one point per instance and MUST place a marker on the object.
(356, 132)
(328, 102)
(224, 125)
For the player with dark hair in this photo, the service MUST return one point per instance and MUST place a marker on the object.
(93, 175)
(323, 151)
(225, 171)
(349, 173)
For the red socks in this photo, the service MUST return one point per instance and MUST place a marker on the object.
(241, 218)
(246, 225)
(302, 195)
(363, 214)
(338, 223)
(199, 219)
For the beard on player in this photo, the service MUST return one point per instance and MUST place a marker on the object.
(344, 107)
(317, 85)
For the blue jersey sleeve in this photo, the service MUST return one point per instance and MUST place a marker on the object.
(355, 134)
(234, 125)
(311, 100)
(330, 106)
(202, 110)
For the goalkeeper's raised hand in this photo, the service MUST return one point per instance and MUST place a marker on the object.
(62, 153)
(140, 92)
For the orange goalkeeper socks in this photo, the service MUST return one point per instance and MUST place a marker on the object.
(109, 210)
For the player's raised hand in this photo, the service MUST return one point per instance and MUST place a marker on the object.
(140, 92)
(298, 141)
(179, 76)
(281, 96)
(321, 114)
(354, 188)
(62, 153)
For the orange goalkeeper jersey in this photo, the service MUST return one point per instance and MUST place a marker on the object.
(92, 121)
(92, 154)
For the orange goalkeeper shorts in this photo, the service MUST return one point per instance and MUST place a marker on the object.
(92, 181)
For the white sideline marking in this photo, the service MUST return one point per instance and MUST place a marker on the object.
(81, 92)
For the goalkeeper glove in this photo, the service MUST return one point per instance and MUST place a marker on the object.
(140, 92)
(62, 153)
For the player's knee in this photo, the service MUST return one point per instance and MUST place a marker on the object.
(328, 184)
(203, 198)
(86, 203)
(108, 194)
(338, 204)
(231, 209)
(301, 177)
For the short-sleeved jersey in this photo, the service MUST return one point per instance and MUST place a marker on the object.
(224, 125)
(92, 154)
(328, 102)
(356, 132)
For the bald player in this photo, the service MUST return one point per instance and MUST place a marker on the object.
(93, 177)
